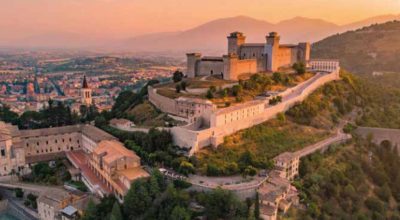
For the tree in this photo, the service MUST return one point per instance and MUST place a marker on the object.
(223, 204)
(116, 213)
(277, 77)
(19, 193)
(178, 88)
(281, 117)
(257, 207)
(237, 90)
(90, 212)
(179, 213)
(300, 68)
(183, 85)
(209, 94)
(137, 200)
(177, 76)
(100, 121)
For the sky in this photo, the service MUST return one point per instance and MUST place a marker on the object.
(123, 18)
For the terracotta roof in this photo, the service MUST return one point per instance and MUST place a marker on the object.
(49, 131)
(113, 151)
(96, 134)
(286, 157)
(133, 173)
(90, 131)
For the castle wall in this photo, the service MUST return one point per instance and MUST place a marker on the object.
(161, 102)
(221, 127)
(207, 68)
(238, 67)
(285, 57)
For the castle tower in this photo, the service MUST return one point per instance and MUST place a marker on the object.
(235, 40)
(303, 54)
(192, 59)
(271, 49)
(86, 93)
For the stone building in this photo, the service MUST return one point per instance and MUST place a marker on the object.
(52, 204)
(288, 165)
(104, 164)
(276, 194)
(116, 166)
(248, 58)
(12, 156)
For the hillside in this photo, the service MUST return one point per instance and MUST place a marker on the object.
(355, 181)
(366, 50)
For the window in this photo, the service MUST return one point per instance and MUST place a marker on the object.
(27, 144)
(3, 152)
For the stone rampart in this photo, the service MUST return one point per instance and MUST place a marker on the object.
(163, 103)
(215, 135)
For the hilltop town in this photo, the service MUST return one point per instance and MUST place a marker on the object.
(207, 103)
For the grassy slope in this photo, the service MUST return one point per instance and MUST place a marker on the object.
(356, 49)
(305, 124)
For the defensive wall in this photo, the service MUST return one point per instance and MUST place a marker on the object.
(196, 139)
(163, 103)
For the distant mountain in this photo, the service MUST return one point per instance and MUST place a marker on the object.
(211, 36)
(366, 22)
(369, 49)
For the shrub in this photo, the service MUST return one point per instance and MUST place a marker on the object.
(209, 95)
(177, 76)
(19, 193)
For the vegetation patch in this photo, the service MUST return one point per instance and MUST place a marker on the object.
(356, 181)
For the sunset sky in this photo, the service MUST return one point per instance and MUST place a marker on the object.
(121, 18)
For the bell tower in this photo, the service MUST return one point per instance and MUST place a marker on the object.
(86, 93)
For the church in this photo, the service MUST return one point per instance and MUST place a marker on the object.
(248, 58)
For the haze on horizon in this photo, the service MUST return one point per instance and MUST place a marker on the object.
(128, 18)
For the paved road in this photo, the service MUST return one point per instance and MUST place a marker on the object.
(18, 205)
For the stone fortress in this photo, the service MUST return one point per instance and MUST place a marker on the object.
(208, 124)
(98, 158)
(248, 58)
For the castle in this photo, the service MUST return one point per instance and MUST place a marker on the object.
(244, 58)
(208, 124)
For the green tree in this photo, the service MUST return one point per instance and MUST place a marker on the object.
(257, 207)
(209, 94)
(180, 213)
(237, 90)
(277, 77)
(300, 68)
(137, 200)
(100, 121)
(90, 212)
(116, 213)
